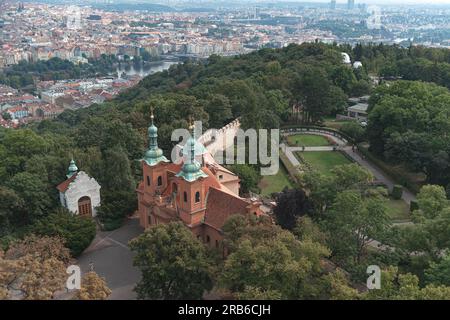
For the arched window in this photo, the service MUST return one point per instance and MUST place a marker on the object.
(159, 181)
(208, 239)
(197, 197)
(185, 196)
(148, 180)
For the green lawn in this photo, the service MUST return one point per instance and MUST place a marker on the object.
(275, 183)
(398, 210)
(307, 140)
(324, 161)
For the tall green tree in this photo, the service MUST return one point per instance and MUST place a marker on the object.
(77, 232)
(116, 171)
(430, 232)
(353, 222)
(12, 209)
(266, 261)
(219, 110)
(408, 124)
(396, 286)
(33, 191)
(173, 263)
(438, 273)
(291, 204)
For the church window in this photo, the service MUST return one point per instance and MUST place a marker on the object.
(185, 196)
(197, 197)
(208, 239)
(159, 181)
(148, 180)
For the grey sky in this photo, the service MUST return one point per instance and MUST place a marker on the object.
(390, 1)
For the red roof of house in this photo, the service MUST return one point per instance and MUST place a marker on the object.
(63, 186)
(221, 205)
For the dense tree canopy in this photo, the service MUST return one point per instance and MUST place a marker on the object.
(266, 261)
(35, 267)
(77, 232)
(291, 204)
(173, 263)
(409, 124)
(107, 139)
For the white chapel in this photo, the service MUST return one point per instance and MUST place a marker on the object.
(79, 193)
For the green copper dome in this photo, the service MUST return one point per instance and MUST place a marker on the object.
(191, 169)
(152, 130)
(72, 169)
(153, 155)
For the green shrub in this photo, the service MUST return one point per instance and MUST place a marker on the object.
(292, 171)
(77, 231)
(397, 192)
(414, 205)
(354, 130)
(249, 176)
(5, 241)
(116, 205)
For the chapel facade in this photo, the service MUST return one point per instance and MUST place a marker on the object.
(198, 191)
(79, 193)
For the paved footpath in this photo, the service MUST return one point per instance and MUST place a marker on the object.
(111, 258)
(407, 196)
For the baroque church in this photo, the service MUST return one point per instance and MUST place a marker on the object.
(79, 193)
(202, 194)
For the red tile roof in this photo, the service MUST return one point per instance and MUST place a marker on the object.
(221, 205)
(63, 186)
(211, 180)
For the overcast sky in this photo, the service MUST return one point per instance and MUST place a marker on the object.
(389, 1)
